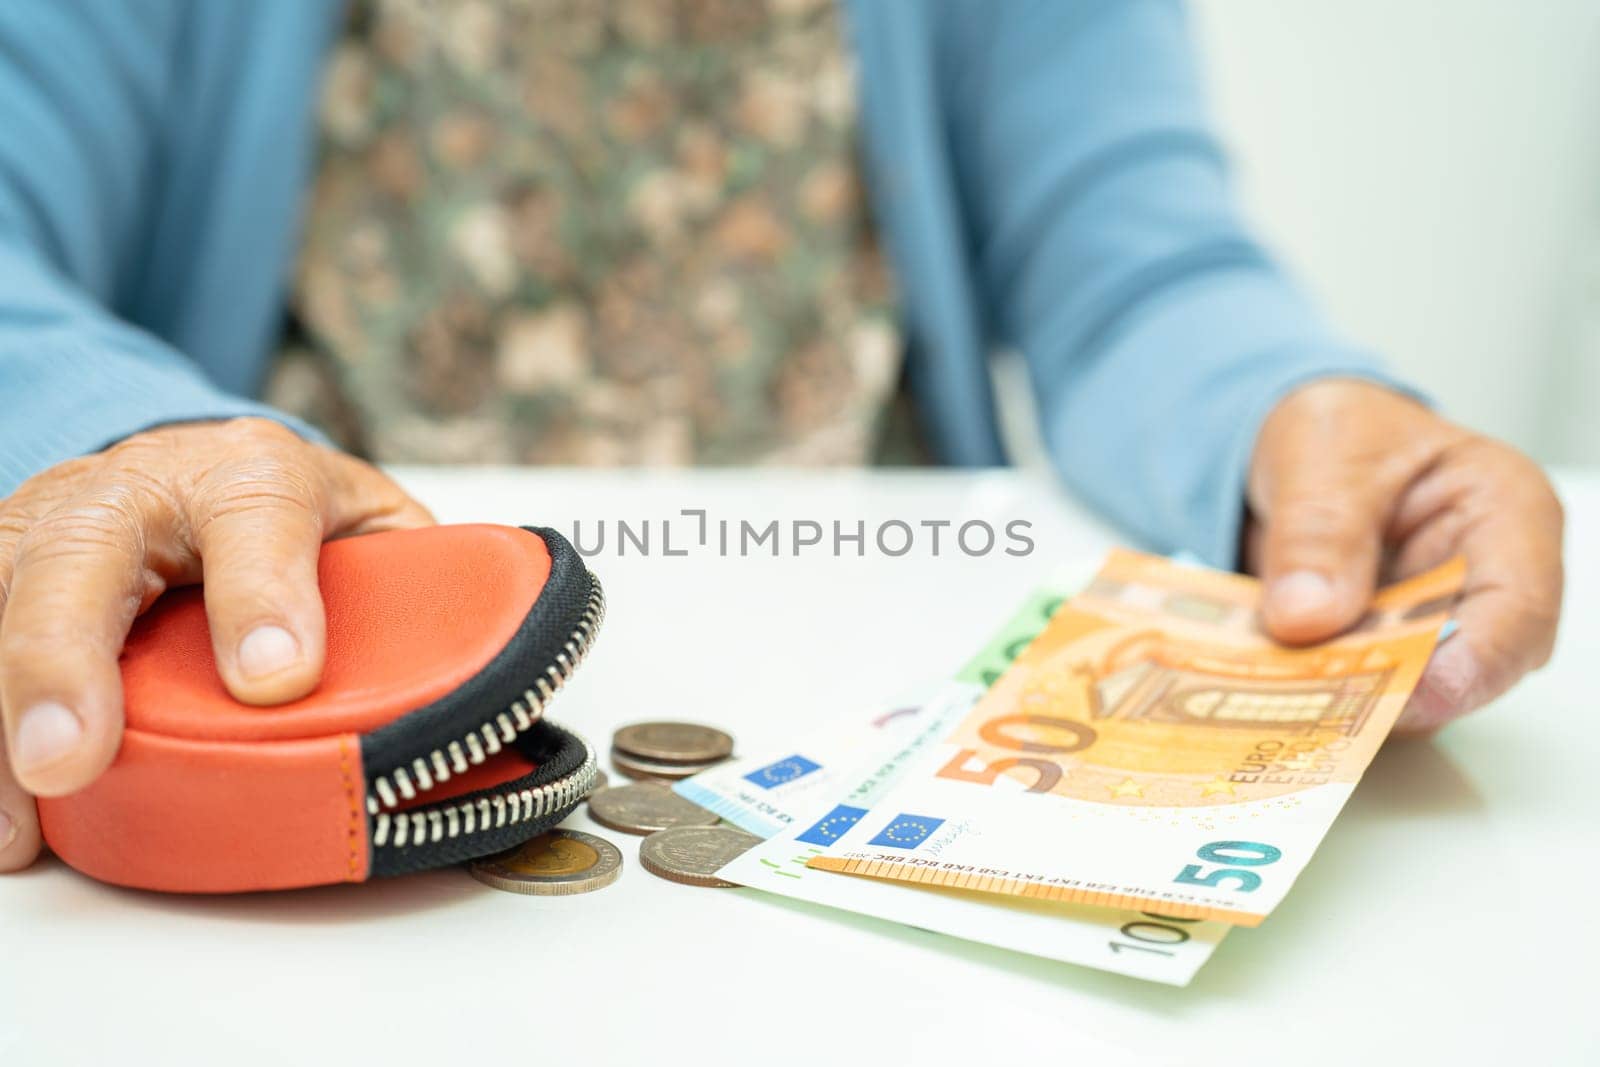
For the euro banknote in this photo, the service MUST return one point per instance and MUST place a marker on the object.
(1126, 941)
(774, 791)
(804, 795)
(1151, 749)
(769, 792)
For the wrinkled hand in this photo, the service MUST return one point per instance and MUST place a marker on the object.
(88, 544)
(1352, 484)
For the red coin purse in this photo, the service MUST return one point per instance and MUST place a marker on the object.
(424, 744)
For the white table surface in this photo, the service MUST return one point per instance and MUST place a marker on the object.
(1450, 917)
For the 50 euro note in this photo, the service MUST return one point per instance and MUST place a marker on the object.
(1151, 749)
(1128, 941)
(806, 795)
(771, 792)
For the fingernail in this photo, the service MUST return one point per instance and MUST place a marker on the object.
(8, 831)
(1300, 593)
(47, 733)
(1452, 674)
(266, 650)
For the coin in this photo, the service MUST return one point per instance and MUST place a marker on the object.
(644, 769)
(644, 808)
(600, 782)
(554, 864)
(694, 854)
(673, 742)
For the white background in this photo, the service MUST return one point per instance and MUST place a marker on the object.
(1431, 169)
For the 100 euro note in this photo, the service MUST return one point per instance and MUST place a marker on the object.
(1151, 749)
(811, 795)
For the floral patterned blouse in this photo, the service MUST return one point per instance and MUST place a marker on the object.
(594, 232)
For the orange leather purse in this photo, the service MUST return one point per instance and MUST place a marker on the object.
(424, 744)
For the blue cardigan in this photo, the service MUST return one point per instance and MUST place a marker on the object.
(1043, 171)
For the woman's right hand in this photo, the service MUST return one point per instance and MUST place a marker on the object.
(87, 545)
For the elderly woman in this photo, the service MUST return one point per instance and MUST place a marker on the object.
(635, 231)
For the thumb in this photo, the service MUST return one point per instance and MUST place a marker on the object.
(1320, 512)
(1319, 566)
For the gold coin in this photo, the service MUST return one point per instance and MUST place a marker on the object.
(647, 770)
(693, 855)
(558, 863)
(644, 808)
(673, 742)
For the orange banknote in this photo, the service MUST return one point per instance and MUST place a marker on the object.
(1153, 748)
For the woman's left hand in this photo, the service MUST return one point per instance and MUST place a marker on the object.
(1352, 484)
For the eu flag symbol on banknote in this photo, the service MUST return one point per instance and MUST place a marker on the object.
(832, 826)
(907, 831)
(784, 771)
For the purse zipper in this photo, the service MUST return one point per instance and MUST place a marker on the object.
(431, 825)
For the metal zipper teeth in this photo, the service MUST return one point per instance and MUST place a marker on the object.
(433, 825)
(388, 791)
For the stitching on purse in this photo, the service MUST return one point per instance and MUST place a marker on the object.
(350, 801)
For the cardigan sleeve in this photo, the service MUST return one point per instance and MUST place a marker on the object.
(1157, 332)
(82, 91)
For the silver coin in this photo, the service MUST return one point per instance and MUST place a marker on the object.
(693, 855)
(673, 742)
(644, 808)
(648, 770)
(557, 863)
